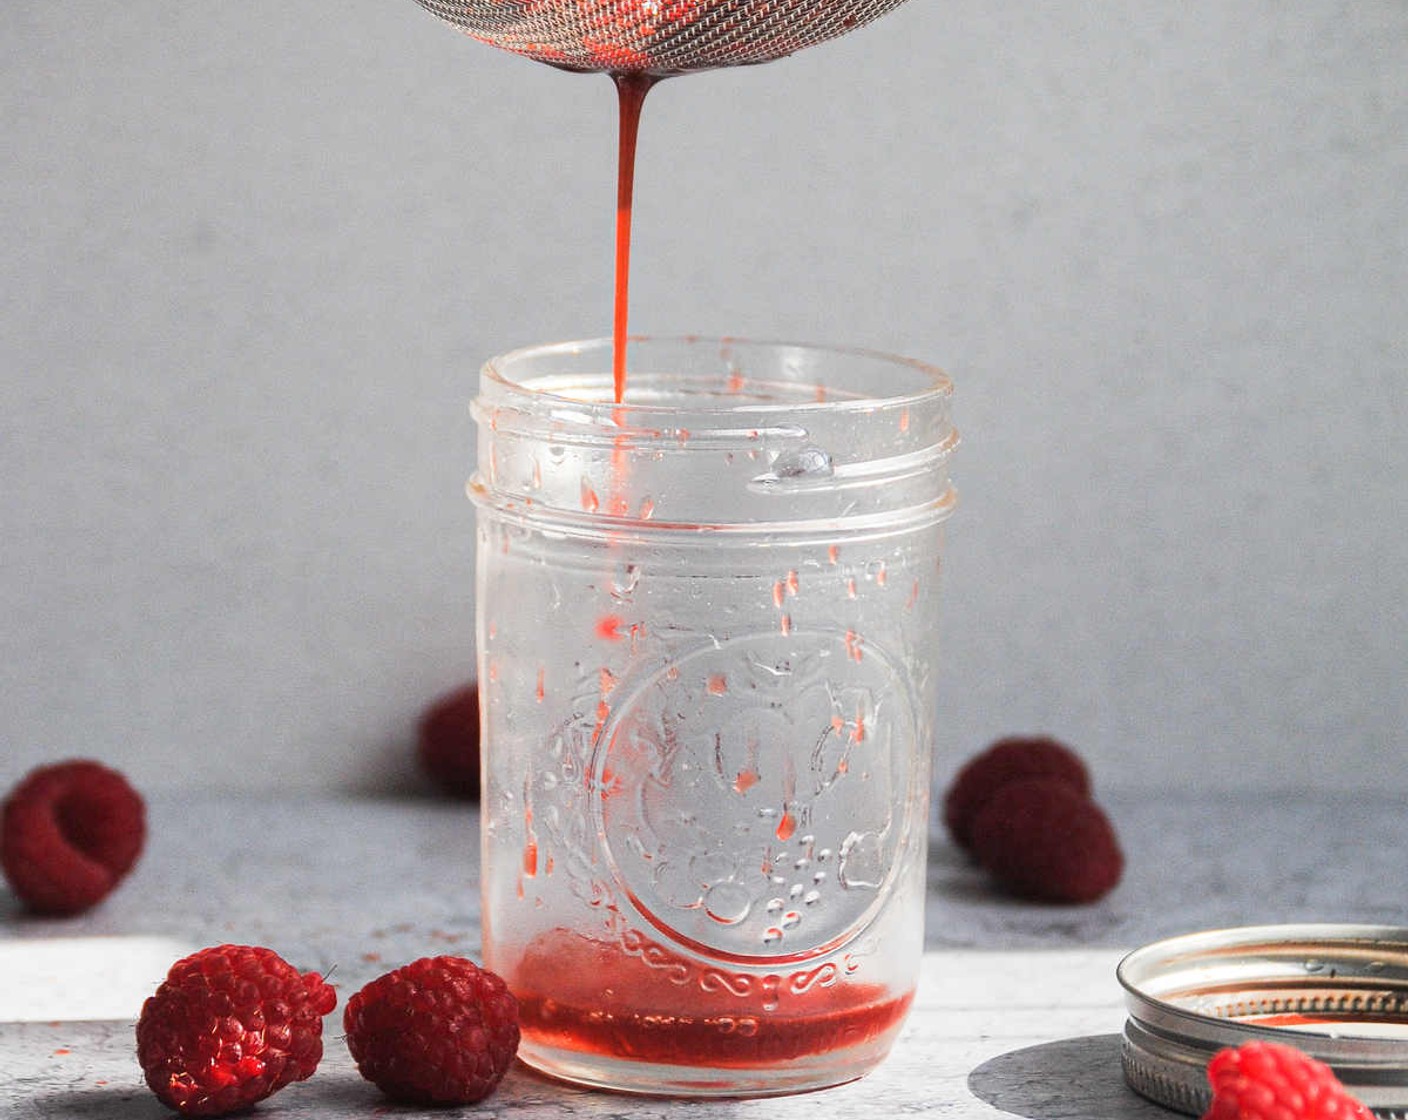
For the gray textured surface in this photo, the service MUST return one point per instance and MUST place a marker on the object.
(253, 253)
(1016, 1014)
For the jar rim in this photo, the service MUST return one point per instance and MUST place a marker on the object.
(715, 433)
(933, 382)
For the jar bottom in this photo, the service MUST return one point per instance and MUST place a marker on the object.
(802, 1056)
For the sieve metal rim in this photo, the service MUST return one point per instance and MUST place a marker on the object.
(1191, 995)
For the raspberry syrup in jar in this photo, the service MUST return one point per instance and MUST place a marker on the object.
(706, 630)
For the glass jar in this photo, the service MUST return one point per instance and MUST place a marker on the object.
(707, 656)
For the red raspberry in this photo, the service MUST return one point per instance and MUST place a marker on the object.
(1271, 1081)
(439, 1030)
(1007, 760)
(1043, 840)
(448, 742)
(68, 835)
(229, 1026)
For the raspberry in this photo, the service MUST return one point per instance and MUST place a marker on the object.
(229, 1026)
(1271, 1081)
(448, 742)
(1043, 840)
(1005, 761)
(68, 835)
(437, 1031)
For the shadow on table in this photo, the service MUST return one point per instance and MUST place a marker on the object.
(1073, 1079)
(109, 1103)
(343, 1093)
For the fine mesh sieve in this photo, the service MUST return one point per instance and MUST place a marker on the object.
(655, 36)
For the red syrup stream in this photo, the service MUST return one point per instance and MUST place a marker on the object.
(630, 91)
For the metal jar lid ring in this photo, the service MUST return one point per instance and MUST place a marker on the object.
(1337, 992)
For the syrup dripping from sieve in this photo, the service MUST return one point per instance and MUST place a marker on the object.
(630, 92)
(638, 42)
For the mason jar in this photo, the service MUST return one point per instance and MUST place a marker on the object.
(707, 638)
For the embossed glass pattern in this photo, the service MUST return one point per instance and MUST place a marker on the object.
(708, 643)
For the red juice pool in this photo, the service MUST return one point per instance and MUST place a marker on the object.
(636, 1004)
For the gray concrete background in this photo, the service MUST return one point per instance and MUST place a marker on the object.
(253, 254)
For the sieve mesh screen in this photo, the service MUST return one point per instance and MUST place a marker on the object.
(655, 36)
